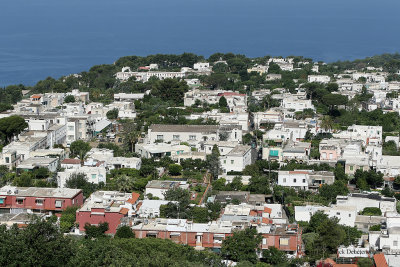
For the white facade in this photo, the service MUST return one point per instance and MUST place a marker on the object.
(192, 134)
(345, 214)
(319, 79)
(126, 73)
(237, 159)
(297, 104)
(361, 201)
(388, 165)
(94, 175)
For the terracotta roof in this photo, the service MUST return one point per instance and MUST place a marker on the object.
(253, 213)
(71, 161)
(36, 96)
(380, 260)
(124, 211)
(266, 220)
(134, 198)
(267, 210)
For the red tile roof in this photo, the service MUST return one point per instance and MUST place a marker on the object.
(267, 210)
(71, 161)
(36, 96)
(124, 211)
(380, 260)
(266, 220)
(253, 213)
(134, 198)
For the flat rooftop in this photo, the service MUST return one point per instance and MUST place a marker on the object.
(39, 192)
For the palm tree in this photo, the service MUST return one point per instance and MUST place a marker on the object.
(327, 123)
(124, 183)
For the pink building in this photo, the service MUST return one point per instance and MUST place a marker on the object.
(211, 235)
(107, 206)
(38, 199)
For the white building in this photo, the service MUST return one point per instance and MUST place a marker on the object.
(159, 150)
(157, 188)
(365, 133)
(304, 179)
(94, 174)
(237, 159)
(388, 165)
(318, 79)
(192, 134)
(126, 73)
(151, 208)
(297, 104)
(362, 201)
(345, 214)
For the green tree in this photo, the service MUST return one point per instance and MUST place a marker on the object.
(242, 246)
(93, 231)
(371, 211)
(124, 232)
(79, 149)
(112, 114)
(274, 256)
(24, 180)
(10, 127)
(69, 99)
(39, 244)
(170, 90)
(222, 103)
(327, 123)
(175, 169)
(124, 183)
(178, 194)
(365, 262)
(79, 181)
(213, 163)
(67, 219)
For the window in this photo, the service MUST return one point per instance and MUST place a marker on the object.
(20, 201)
(284, 180)
(160, 137)
(351, 168)
(224, 161)
(192, 137)
(349, 214)
(362, 168)
(175, 137)
(58, 203)
(304, 180)
(39, 201)
(294, 180)
(7, 160)
(395, 243)
(232, 161)
(93, 176)
(284, 241)
(1, 201)
(209, 148)
(264, 241)
(337, 213)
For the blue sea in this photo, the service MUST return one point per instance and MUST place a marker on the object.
(41, 38)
